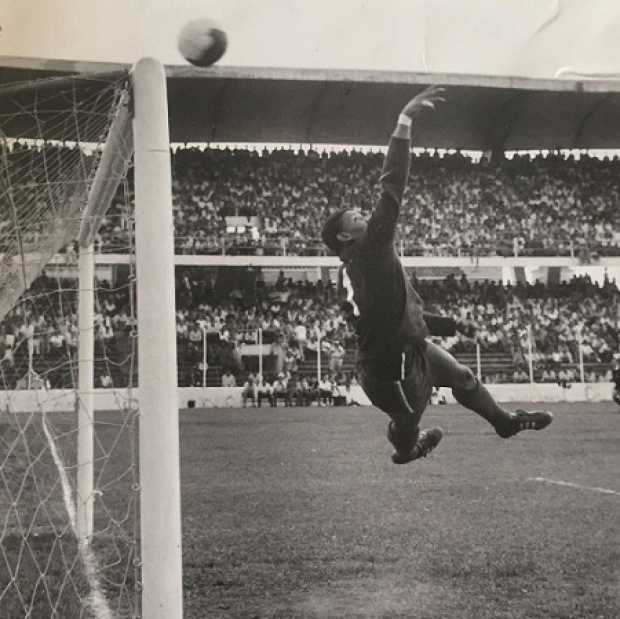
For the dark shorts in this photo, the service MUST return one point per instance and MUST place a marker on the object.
(377, 375)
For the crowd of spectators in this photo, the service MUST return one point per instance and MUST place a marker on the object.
(554, 325)
(43, 329)
(552, 205)
(294, 319)
(332, 389)
(557, 322)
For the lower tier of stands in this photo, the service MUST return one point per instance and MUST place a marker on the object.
(118, 368)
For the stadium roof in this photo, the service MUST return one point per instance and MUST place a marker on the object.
(234, 104)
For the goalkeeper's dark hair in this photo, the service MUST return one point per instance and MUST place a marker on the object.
(330, 231)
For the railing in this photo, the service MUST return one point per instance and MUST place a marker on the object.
(114, 239)
(487, 365)
(197, 368)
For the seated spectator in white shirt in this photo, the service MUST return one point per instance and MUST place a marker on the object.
(280, 390)
(325, 390)
(105, 380)
(265, 390)
(336, 357)
(228, 379)
(249, 391)
(564, 379)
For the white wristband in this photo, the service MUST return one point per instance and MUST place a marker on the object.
(403, 119)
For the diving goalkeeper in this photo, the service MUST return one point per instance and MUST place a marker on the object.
(397, 365)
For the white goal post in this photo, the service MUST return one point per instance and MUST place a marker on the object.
(112, 169)
(157, 356)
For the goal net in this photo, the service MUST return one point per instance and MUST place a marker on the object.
(71, 540)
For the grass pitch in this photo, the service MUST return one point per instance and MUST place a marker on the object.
(299, 513)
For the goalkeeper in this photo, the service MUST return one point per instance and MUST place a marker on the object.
(397, 365)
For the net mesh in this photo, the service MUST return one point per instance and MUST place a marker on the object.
(52, 136)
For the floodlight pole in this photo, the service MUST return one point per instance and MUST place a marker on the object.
(160, 509)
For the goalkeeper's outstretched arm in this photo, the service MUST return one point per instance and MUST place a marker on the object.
(382, 224)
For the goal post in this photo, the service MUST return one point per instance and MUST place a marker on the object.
(159, 421)
(90, 519)
(111, 171)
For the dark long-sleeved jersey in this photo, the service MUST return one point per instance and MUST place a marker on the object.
(379, 299)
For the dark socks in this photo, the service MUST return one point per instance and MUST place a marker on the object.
(481, 402)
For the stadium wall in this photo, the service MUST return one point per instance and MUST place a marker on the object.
(63, 400)
(191, 260)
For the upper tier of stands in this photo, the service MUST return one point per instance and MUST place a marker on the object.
(551, 206)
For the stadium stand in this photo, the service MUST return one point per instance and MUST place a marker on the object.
(270, 203)
(521, 206)
(293, 314)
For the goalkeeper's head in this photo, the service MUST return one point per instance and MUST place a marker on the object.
(343, 228)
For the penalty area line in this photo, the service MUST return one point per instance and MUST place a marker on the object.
(570, 484)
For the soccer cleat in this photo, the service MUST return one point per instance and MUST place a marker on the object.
(525, 420)
(411, 444)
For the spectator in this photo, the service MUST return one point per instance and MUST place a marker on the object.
(228, 379)
(336, 358)
(280, 390)
(265, 391)
(301, 338)
(249, 391)
(520, 376)
(290, 361)
(325, 390)
(295, 391)
(564, 379)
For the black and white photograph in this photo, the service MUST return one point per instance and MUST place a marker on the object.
(309, 309)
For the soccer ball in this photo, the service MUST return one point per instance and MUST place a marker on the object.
(202, 42)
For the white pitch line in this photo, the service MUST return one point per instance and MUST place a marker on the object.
(97, 600)
(570, 484)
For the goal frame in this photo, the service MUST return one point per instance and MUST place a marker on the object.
(160, 496)
(142, 123)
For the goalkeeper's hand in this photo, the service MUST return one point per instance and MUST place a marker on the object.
(427, 99)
